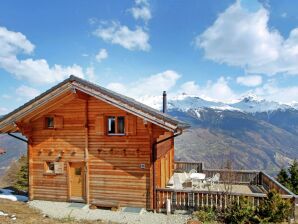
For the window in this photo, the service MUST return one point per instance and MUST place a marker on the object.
(78, 171)
(116, 125)
(120, 128)
(111, 125)
(54, 167)
(49, 122)
(50, 167)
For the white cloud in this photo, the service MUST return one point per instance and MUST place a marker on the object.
(242, 38)
(141, 10)
(101, 55)
(250, 80)
(90, 74)
(271, 91)
(150, 86)
(116, 33)
(27, 92)
(37, 71)
(215, 91)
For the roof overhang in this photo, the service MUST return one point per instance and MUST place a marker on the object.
(8, 122)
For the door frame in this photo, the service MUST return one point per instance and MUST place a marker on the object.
(69, 197)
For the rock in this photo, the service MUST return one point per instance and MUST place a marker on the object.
(3, 214)
(92, 207)
(14, 218)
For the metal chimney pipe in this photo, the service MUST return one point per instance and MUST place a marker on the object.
(164, 102)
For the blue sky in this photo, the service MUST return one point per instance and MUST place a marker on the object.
(219, 50)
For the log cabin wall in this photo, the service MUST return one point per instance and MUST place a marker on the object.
(47, 144)
(118, 166)
(115, 161)
(164, 157)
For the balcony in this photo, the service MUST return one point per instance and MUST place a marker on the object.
(231, 185)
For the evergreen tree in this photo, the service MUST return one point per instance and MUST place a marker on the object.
(22, 175)
(293, 171)
(283, 178)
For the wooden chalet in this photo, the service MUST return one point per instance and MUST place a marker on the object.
(89, 144)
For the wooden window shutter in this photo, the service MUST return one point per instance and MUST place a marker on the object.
(100, 125)
(131, 125)
(58, 122)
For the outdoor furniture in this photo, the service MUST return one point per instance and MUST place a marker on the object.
(177, 182)
(197, 179)
(192, 171)
(215, 179)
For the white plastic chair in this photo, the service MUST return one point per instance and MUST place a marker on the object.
(213, 180)
(192, 171)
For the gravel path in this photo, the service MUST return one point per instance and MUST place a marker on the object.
(62, 210)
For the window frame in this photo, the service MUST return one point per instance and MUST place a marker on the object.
(116, 125)
(46, 122)
(48, 171)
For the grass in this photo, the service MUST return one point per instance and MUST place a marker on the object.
(27, 215)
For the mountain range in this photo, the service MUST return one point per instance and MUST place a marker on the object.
(251, 133)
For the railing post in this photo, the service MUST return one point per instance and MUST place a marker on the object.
(157, 200)
(174, 201)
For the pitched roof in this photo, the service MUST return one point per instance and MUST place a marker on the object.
(74, 83)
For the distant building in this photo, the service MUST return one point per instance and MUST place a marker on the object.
(2, 151)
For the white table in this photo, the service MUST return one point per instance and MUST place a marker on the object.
(200, 177)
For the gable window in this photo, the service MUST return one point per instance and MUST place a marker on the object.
(53, 122)
(116, 125)
(49, 122)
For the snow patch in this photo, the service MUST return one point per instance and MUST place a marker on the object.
(8, 194)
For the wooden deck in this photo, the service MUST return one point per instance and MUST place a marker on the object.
(250, 184)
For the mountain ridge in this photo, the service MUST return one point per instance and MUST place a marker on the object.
(253, 133)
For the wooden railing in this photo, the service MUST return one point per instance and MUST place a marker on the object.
(235, 176)
(196, 199)
(226, 175)
(269, 183)
(187, 166)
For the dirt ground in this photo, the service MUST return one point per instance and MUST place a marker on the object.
(26, 215)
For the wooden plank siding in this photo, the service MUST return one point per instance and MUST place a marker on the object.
(113, 163)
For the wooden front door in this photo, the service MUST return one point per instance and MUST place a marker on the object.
(76, 174)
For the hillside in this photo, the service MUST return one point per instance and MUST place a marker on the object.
(14, 149)
(254, 134)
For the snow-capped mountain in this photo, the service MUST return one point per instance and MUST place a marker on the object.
(247, 104)
(252, 104)
(254, 133)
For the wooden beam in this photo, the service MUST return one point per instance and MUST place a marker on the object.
(80, 95)
(68, 180)
(86, 152)
(150, 133)
(30, 168)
